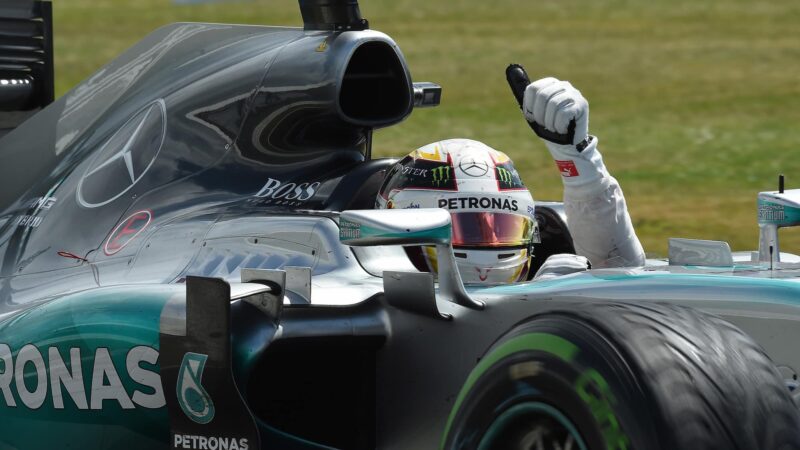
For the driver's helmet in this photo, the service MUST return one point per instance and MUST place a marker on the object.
(492, 211)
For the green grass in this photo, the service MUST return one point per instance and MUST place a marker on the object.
(695, 102)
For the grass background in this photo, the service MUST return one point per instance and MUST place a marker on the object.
(695, 102)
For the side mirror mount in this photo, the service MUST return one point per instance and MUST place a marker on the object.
(775, 210)
(425, 226)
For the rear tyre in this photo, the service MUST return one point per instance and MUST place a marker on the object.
(624, 376)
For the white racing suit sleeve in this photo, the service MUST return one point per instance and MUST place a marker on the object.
(597, 215)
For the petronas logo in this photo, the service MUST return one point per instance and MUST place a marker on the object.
(192, 397)
(441, 175)
(504, 175)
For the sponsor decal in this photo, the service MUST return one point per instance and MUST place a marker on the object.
(508, 178)
(478, 203)
(414, 172)
(349, 230)
(279, 193)
(441, 175)
(413, 205)
(503, 175)
(43, 203)
(192, 397)
(125, 158)
(28, 221)
(567, 168)
(411, 173)
(473, 168)
(773, 213)
(39, 205)
(35, 373)
(209, 442)
(126, 231)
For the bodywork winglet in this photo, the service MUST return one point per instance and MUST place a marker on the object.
(202, 398)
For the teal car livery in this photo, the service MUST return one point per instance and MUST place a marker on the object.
(190, 259)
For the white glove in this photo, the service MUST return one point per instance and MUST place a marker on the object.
(553, 104)
(562, 264)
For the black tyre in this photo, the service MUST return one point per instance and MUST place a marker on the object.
(624, 376)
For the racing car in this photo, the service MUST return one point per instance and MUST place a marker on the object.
(190, 259)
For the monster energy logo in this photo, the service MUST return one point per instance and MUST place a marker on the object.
(192, 397)
(441, 175)
(504, 175)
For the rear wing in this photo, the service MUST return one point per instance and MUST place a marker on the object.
(26, 60)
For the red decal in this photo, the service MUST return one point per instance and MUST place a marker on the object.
(126, 231)
(65, 254)
(567, 168)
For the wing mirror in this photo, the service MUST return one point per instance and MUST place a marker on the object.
(776, 210)
(425, 226)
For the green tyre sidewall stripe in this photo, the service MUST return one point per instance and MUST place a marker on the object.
(550, 343)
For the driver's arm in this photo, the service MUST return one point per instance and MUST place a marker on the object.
(596, 212)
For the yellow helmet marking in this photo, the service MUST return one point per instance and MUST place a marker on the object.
(501, 157)
(435, 156)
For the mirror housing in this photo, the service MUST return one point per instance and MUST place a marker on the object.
(370, 227)
(424, 226)
(775, 210)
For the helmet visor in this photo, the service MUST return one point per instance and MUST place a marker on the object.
(489, 229)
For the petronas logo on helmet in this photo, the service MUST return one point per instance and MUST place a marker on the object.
(441, 175)
(192, 397)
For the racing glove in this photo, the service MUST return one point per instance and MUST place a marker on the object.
(559, 108)
(562, 264)
(597, 215)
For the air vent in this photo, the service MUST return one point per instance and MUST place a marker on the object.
(26, 55)
(375, 89)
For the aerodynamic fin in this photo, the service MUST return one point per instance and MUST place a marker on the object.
(206, 409)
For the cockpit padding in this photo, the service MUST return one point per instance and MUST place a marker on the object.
(554, 234)
(358, 189)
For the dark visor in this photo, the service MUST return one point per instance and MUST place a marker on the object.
(491, 229)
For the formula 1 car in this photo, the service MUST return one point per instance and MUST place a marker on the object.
(189, 259)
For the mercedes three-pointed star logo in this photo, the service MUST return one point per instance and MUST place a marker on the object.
(124, 158)
(473, 168)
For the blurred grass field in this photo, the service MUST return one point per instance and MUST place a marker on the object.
(695, 103)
